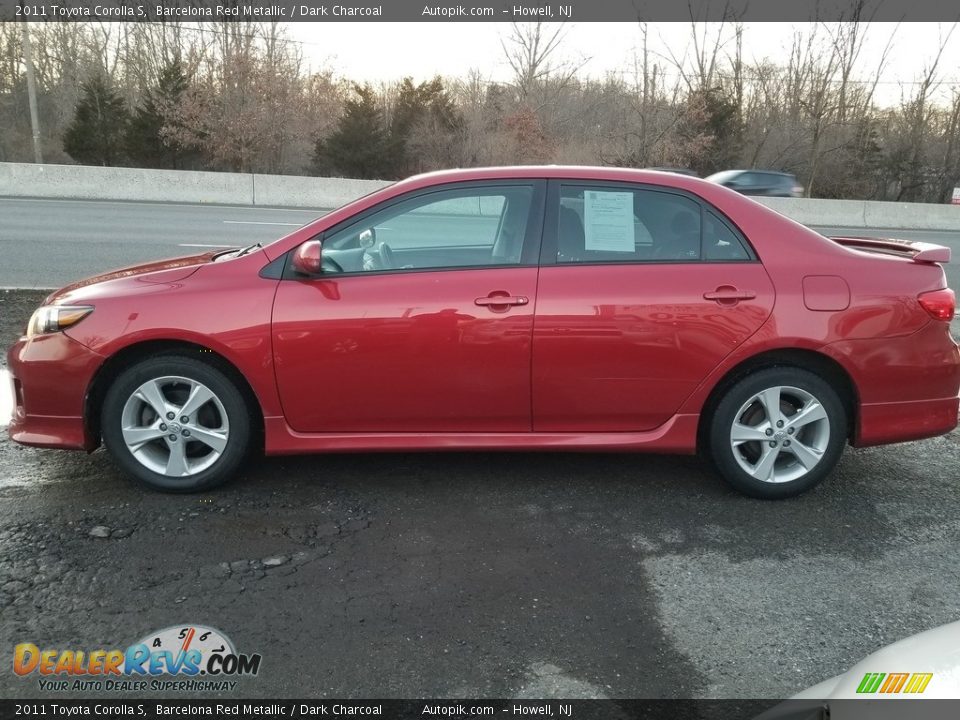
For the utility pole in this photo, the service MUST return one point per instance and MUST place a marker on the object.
(31, 93)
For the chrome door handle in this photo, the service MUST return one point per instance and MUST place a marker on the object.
(501, 300)
(729, 295)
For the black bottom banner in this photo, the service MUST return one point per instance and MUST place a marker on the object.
(866, 709)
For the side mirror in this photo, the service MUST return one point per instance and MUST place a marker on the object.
(307, 259)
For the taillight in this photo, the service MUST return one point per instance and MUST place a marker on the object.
(940, 304)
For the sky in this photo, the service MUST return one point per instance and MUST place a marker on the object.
(371, 51)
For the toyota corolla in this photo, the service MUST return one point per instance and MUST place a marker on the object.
(525, 308)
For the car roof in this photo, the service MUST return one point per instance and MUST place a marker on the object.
(765, 172)
(562, 172)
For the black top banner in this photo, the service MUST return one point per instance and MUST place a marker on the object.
(493, 11)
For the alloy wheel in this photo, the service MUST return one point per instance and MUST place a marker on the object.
(780, 434)
(175, 426)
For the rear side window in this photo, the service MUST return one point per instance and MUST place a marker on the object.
(611, 224)
(623, 224)
(719, 240)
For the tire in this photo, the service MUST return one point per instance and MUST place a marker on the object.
(168, 454)
(808, 441)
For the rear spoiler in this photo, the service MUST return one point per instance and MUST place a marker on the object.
(915, 250)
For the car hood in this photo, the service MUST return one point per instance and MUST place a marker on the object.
(935, 652)
(157, 272)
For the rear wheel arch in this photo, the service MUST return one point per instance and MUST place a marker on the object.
(132, 354)
(810, 360)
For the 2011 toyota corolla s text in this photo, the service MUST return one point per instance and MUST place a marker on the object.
(560, 308)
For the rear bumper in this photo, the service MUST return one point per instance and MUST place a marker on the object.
(50, 375)
(882, 423)
(908, 387)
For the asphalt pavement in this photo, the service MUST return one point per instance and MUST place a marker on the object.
(518, 575)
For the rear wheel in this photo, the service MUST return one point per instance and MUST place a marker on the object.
(176, 424)
(778, 432)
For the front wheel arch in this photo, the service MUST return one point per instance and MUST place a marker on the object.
(132, 354)
(826, 367)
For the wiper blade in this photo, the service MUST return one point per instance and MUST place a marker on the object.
(249, 249)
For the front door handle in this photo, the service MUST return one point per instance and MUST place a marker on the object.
(501, 300)
(729, 295)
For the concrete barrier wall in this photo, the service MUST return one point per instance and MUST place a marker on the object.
(308, 192)
(99, 183)
(106, 183)
(867, 214)
(82, 182)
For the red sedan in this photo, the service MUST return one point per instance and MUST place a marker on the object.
(544, 308)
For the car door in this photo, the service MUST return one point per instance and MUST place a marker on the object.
(422, 318)
(642, 292)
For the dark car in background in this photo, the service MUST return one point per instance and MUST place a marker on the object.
(767, 183)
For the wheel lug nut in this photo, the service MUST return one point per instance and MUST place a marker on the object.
(170, 416)
(184, 419)
(779, 423)
(186, 433)
(773, 444)
(163, 426)
(786, 442)
(790, 430)
(769, 431)
(173, 438)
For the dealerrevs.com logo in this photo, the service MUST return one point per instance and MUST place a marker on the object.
(181, 657)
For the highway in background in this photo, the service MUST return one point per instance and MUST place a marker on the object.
(48, 243)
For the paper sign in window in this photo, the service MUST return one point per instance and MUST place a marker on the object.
(608, 221)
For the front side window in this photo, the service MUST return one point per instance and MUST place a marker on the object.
(468, 227)
(610, 224)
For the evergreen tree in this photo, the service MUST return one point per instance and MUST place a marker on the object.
(358, 147)
(146, 144)
(96, 133)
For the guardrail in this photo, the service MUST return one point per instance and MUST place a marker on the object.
(134, 184)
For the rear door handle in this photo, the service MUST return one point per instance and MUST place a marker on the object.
(501, 300)
(728, 294)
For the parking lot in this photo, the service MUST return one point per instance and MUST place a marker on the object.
(484, 575)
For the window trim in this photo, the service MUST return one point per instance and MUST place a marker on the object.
(529, 252)
(550, 242)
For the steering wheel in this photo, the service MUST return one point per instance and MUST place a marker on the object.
(386, 257)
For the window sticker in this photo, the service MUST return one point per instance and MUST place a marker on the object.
(608, 221)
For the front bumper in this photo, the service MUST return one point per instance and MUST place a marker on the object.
(50, 375)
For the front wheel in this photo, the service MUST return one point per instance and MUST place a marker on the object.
(175, 424)
(778, 432)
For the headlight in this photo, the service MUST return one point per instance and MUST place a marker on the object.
(54, 318)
